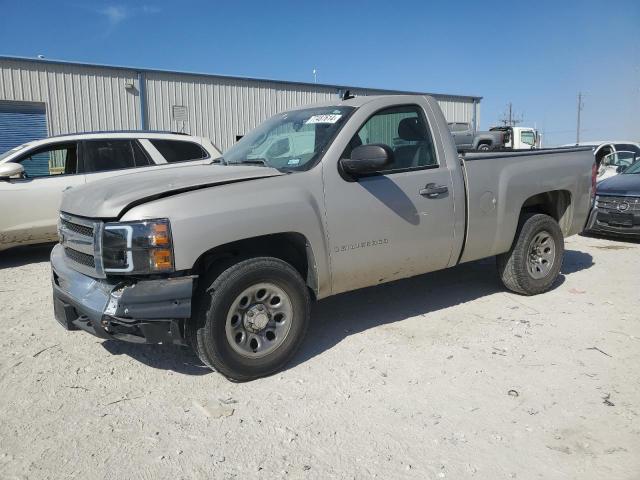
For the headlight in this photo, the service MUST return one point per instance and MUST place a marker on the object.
(137, 247)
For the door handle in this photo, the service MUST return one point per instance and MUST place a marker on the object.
(432, 190)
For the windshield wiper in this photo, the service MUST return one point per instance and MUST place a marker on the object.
(251, 161)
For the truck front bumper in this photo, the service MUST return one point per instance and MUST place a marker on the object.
(139, 311)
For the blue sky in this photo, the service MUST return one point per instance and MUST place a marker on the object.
(536, 54)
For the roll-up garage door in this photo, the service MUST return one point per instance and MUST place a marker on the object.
(21, 123)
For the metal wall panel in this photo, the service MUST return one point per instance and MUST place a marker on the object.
(221, 108)
(455, 109)
(77, 98)
(88, 98)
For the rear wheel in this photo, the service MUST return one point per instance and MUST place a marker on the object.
(484, 147)
(534, 260)
(255, 319)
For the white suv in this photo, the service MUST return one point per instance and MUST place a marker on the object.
(34, 175)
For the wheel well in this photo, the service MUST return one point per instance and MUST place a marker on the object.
(290, 247)
(556, 204)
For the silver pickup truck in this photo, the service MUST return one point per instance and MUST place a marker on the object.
(227, 257)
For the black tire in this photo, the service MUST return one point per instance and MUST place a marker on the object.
(200, 302)
(211, 341)
(513, 265)
(484, 147)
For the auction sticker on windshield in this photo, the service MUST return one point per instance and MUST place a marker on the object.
(328, 118)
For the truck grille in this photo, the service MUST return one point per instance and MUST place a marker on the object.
(619, 204)
(85, 230)
(79, 257)
(82, 242)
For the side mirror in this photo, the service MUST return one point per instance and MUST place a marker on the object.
(8, 170)
(620, 168)
(367, 159)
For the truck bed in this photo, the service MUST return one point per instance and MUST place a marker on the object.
(498, 184)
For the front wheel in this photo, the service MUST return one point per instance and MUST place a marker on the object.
(255, 319)
(534, 260)
(484, 147)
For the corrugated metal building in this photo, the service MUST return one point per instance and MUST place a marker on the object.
(75, 97)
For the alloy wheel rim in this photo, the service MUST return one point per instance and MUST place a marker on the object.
(259, 320)
(541, 255)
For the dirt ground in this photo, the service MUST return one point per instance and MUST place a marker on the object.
(441, 376)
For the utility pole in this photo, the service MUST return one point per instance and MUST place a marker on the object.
(508, 119)
(580, 107)
(315, 76)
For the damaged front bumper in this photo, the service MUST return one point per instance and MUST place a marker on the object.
(139, 311)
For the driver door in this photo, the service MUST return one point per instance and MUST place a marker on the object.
(30, 204)
(389, 225)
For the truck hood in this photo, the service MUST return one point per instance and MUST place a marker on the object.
(111, 197)
(623, 185)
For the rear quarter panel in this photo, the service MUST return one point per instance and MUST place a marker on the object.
(499, 184)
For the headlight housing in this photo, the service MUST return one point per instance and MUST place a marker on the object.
(137, 247)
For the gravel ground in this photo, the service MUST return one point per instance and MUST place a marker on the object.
(441, 376)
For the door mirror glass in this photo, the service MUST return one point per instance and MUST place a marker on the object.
(368, 159)
(8, 170)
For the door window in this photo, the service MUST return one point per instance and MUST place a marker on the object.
(528, 137)
(52, 160)
(140, 156)
(628, 147)
(177, 151)
(404, 130)
(603, 152)
(105, 155)
(459, 127)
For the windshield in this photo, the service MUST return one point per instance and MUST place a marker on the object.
(12, 151)
(291, 140)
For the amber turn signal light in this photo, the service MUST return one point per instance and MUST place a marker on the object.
(161, 259)
(159, 234)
